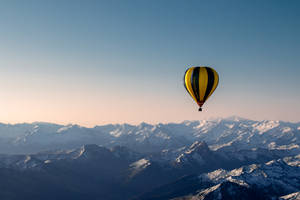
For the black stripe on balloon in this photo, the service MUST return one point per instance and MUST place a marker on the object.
(195, 83)
(210, 82)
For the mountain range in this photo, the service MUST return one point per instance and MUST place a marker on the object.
(231, 158)
(225, 134)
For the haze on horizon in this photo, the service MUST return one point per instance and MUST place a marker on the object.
(97, 62)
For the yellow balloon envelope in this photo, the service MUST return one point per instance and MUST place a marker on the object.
(200, 83)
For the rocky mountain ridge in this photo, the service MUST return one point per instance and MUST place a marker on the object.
(229, 134)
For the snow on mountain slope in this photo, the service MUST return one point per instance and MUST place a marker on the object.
(271, 180)
(293, 196)
(224, 191)
(278, 176)
(265, 126)
(138, 166)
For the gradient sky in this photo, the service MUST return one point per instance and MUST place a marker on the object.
(98, 62)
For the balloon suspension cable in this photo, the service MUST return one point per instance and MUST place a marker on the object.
(200, 109)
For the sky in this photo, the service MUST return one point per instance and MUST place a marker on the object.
(97, 62)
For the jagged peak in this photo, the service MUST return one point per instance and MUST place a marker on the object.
(198, 146)
(144, 125)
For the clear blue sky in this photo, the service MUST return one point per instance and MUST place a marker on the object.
(95, 62)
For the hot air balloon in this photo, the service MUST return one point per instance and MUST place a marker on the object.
(200, 83)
